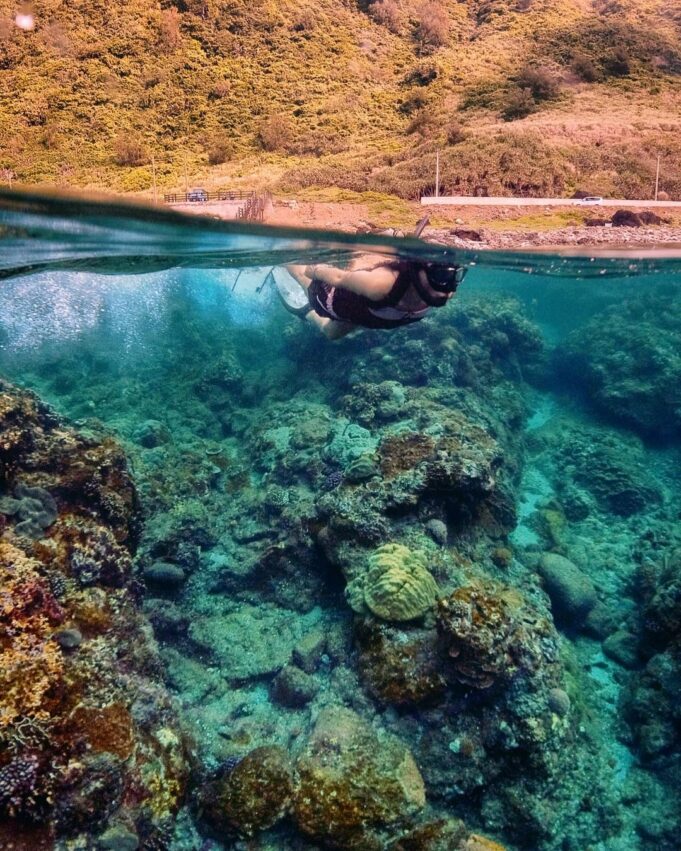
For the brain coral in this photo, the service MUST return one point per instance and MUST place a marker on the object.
(397, 585)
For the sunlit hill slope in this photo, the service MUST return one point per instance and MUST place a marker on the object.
(520, 96)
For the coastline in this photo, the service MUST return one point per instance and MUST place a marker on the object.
(494, 228)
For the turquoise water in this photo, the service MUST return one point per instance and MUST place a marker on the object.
(435, 571)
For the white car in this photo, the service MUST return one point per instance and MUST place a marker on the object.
(591, 199)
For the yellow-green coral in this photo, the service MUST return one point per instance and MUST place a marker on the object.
(397, 585)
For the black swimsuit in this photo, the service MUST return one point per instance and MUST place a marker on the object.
(345, 306)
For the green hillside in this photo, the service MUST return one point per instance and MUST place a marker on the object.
(520, 96)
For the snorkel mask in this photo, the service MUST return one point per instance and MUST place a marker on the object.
(444, 279)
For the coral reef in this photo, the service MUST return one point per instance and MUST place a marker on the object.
(490, 635)
(34, 507)
(79, 688)
(427, 478)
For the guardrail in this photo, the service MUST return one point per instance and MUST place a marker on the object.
(198, 196)
(508, 201)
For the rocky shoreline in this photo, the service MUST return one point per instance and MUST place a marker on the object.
(613, 237)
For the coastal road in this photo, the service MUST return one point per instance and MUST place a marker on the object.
(501, 201)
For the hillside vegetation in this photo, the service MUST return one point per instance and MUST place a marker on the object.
(520, 96)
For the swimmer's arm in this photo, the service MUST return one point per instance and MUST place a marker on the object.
(372, 283)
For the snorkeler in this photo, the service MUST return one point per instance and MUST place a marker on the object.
(374, 292)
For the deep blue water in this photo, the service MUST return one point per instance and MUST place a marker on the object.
(247, 433)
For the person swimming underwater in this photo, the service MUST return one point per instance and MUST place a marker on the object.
(374, 292)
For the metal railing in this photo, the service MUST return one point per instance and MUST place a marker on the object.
(200, 196)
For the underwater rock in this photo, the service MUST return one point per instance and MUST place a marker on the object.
(490, 634)
(252, 642)
(354, 786)
(92, 792)
(96, 558)
(622, 646)
(380, 402)
(444, 835)
(178, 535)
(288, 574)
(362, 469)
(164, 574)
(308, 652)
(71, 720)
(627, 361)
(168, 620)
(571, 591)
(660, 589)
(150, 434)
(398, 666)
(68, 639)
(559, 701)
(294, 688)
(349, 442)
(653, 701)
(396, 586)
(254, 795)
(437, 529)
(452, 464)
(601, 621)
(602, 465)
(118, 838)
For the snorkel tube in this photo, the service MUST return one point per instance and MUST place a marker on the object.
(443, 278)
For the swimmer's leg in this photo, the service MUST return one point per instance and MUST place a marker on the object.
(332, 329)
(297, 272)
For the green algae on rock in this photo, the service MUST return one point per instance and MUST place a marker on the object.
(444, 835)
(397, 585)
(355, 786)
(253, 796)
(399, 665)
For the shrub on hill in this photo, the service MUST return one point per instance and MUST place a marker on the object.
(130, 151)
(518, 103)
(275, 133)
(585, 68)
(432, 26)
(540, 81)
(387, 13)
(219, 149)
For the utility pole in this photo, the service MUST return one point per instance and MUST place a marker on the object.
(153, 177)
(437, 174)
(186, 179)
(657, 176)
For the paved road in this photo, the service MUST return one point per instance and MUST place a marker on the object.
(500, 201)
